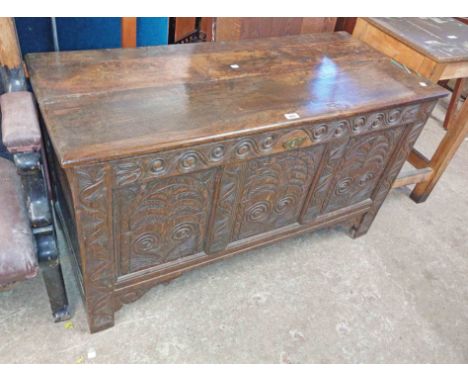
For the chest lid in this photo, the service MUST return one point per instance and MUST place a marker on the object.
(107, 104)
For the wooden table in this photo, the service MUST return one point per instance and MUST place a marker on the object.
(436, 48)
(168, 158)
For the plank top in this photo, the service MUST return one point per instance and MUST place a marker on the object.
(444, 39)
(107, 104)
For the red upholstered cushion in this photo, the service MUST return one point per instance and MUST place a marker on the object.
(17, 249)
(20, 125)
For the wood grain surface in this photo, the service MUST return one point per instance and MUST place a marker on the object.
(113, 103)
(170, 158)
(444, 39)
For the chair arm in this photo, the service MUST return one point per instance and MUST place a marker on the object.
(17, 250)
(20, 125)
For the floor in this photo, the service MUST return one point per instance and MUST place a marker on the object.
(399, 294)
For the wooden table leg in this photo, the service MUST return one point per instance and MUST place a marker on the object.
(452, 107)
(457, 131)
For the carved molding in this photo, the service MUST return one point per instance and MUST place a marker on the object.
(333, 154)
(175, 162)
(129, 296)
(96, 244)
(225, 208)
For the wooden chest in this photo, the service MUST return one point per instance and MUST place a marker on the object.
(168, 158)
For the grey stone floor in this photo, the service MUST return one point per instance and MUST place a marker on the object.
(398, 294)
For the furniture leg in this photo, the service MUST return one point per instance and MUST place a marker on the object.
(53, 278)
(100, 311)
(94, 208)
(30, 170)
(452, 107)
(457, 131)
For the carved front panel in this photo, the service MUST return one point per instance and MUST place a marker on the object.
(261, 195)
(274, 191)
(360, 168)
(351, 171)
(163, 220)
(127, 224)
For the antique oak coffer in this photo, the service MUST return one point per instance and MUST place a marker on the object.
(167, 158)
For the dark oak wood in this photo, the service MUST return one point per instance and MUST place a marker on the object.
(437, 49)
(246, 28)
(169, 158)
(181, 29)
(346, 24)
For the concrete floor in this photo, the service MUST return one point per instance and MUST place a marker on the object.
(397, 295)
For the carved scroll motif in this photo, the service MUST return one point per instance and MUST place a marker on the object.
(274, 190)
(204, 156)
(390, 176)
(360, 168)
(163, 220)
(163, 201)
(409, 139)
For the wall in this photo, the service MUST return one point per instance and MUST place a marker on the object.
(77, 33)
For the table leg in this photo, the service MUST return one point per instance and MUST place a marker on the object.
(452, 107)
(456, 133)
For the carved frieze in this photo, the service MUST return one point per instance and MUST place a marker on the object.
(204, 156)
